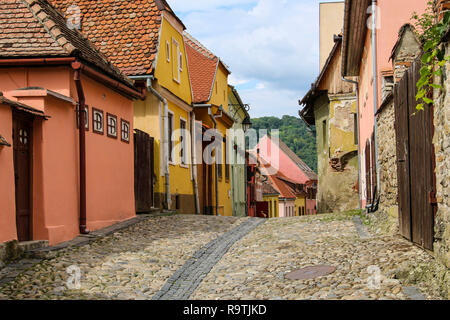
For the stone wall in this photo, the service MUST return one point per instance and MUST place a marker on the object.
(387, 157)
(441, 141)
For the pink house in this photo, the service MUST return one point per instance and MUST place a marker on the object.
(59, 178)
(284, 161)
(358, 61)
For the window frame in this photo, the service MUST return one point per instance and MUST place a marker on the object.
(86, 107)
(171, 126)
(94, 112)
(227, 165)
(168, 51)
(183, 158)
(112, 116)
(176, 67)
(122, 122)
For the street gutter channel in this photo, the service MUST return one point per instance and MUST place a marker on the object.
(182, 284)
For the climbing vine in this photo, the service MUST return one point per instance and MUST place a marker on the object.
(430, 33)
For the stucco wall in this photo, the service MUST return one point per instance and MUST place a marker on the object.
(7, 203)
(337, 190)
(55, 178)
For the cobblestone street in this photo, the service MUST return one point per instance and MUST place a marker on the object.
(200, 257)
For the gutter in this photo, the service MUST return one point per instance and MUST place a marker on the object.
(94, 74)
(82, 146)
(168, 202)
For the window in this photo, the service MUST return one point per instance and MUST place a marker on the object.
(168, 51)
(125, 125)
(86, 114)
(169, 132)
(355, 128)
(324, 133)
(97, 121)
(180, 61)
(227, 165)
(183, 142)
(111, 123)
(219, 160)
(176, 61)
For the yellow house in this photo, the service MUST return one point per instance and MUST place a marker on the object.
(145, 41)
(164, 114)
(209, 82)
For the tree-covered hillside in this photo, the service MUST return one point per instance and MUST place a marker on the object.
(296, 135)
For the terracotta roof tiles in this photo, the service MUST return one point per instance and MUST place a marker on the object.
(33, 28)
(127, 31)
(203, 66)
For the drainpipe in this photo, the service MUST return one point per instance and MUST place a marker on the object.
(82, 145)
(194, 163)
(149, 79)
(375, 84)
(216, 171)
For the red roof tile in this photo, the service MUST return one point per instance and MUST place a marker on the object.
(127, 31)
(283, 188)
(203, 66)
(33, 28)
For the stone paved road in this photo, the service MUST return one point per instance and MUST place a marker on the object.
(137, 263)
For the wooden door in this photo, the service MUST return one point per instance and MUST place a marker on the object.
(415, 154)
(402, 147)
(22, 141)
(143, 171)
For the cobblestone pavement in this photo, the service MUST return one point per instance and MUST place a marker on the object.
(249, 262)
(183, 282)
(131, 264)
(255, 268)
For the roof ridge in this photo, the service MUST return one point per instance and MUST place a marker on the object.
(209, 55)
(49, 25)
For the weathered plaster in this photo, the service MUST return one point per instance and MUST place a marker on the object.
(337, 190)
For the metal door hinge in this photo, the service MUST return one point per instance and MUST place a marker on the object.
(432, 197)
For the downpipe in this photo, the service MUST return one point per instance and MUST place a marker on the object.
(82, 146)
(375, 86)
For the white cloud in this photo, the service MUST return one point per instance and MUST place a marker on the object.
(271, 46)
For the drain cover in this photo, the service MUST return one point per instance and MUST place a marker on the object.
(311, 272)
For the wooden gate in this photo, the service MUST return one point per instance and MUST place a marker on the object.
(143, 171)
(22, 144)
(415, 169)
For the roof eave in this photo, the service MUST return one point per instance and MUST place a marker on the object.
(355, 29)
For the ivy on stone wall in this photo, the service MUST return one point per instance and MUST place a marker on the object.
(430, 33)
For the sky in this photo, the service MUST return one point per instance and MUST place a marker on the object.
(271, 47)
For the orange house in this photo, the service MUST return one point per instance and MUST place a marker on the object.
(61, 175)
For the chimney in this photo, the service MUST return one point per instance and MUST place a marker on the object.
(441, 7)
